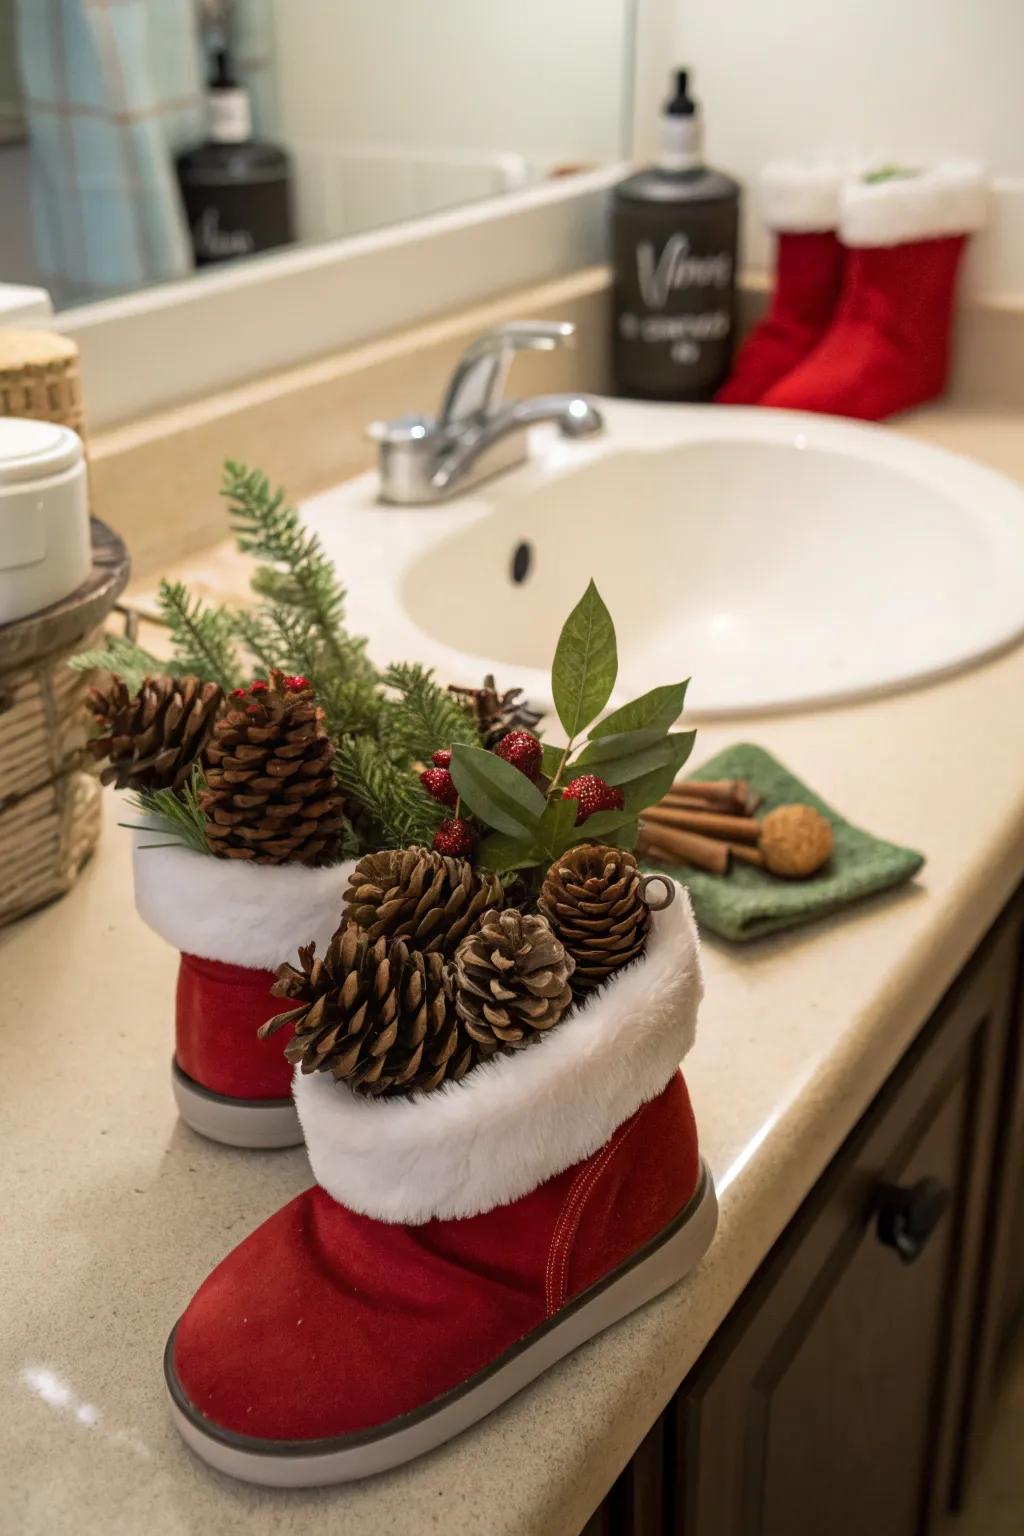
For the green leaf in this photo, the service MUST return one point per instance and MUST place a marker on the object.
(551, 760)
(556, 827)
(658, 710)
(604, 749)
(654, 785)
(499, 794)
(586, 663)
(599, 826)
(501, 852)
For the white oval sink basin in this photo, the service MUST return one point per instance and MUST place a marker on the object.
(781, 559)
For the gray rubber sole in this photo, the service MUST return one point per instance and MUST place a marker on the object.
(313, 1463)
(259, 1124)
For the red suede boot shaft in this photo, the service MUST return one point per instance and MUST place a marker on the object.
(219, 1009)
(631, 1191)
(888, 347)
(324, 1322)
(808, 274)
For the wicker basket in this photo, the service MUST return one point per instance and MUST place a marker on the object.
(50, 803)
(40, 377)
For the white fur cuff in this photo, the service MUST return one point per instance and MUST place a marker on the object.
(799, 197)
(226, 909)
(517, 1120)
(946, 199)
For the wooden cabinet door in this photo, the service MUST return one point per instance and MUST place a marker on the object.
(1000, 1284)
(827, 1402)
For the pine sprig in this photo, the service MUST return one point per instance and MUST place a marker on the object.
(173, 814)
(203, 635)
(297, 574)
(424, 717)
(397, 809)
(124, 657)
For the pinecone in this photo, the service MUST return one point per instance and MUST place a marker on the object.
(271, 795)
(511, 979)
(152, 737)
(429, 899)
(497, 713)
(592, 899)
(377, 1015)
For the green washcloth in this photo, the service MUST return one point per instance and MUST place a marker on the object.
(749, 902)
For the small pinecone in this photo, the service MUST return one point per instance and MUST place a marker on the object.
(271, 795)
(429, 899)
(379, 1015)
(511, 980)
(592, 899)
(152, 737)
(497, 713)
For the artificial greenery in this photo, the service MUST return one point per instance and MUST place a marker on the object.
(393, 810)
(204, 636)
(174, 815)
(382, 724)
(632, 748)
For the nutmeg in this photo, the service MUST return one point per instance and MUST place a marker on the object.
(796, 840)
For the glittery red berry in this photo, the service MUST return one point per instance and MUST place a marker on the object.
(438, 783)
(593, 794)
(455, 838)
(239, 693)
(296, 684)
(259, 686)
(442, 758)
(522, 750)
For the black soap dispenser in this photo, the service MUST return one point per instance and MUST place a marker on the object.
(675, 234)
(236, 189)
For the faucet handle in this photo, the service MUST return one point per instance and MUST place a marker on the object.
(478, 382)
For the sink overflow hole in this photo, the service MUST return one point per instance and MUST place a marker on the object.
(522, 559)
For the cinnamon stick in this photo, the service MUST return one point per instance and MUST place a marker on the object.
(722, 794)
(684, 847)
(734, 829)
(747, 854)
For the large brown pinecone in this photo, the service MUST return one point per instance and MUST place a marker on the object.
(497, 713)
(430, 900)
(511, 979)
(592, 899)
(377, 1015)
(151, 738)
(271, 795)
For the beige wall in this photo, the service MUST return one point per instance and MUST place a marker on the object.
(901, 79)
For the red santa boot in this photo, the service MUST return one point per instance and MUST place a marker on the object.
(234, 923)
(800, 203)
(888, 346)
(458, 1242)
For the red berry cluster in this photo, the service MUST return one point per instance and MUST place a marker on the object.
(593, 794)
(455, 837)
(523, 750)
(294, 684)
(437, 781)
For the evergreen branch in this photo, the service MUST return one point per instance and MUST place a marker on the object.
(176, 814)
(389, 798)
(203, 635)
(424, 717)
(298, 575)
(122, 656)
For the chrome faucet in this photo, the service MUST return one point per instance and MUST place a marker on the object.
(477, 433)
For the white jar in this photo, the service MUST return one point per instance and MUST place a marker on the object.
(44, 516)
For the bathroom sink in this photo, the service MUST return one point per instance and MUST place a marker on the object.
(784, 560)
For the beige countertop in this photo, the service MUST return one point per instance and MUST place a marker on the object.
(113, 1212)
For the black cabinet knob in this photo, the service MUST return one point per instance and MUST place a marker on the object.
(907, 1215)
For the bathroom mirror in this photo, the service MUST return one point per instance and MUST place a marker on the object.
(332, 118)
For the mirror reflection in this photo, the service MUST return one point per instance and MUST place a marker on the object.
(141, 140)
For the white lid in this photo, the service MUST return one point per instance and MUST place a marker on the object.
(33, 450)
